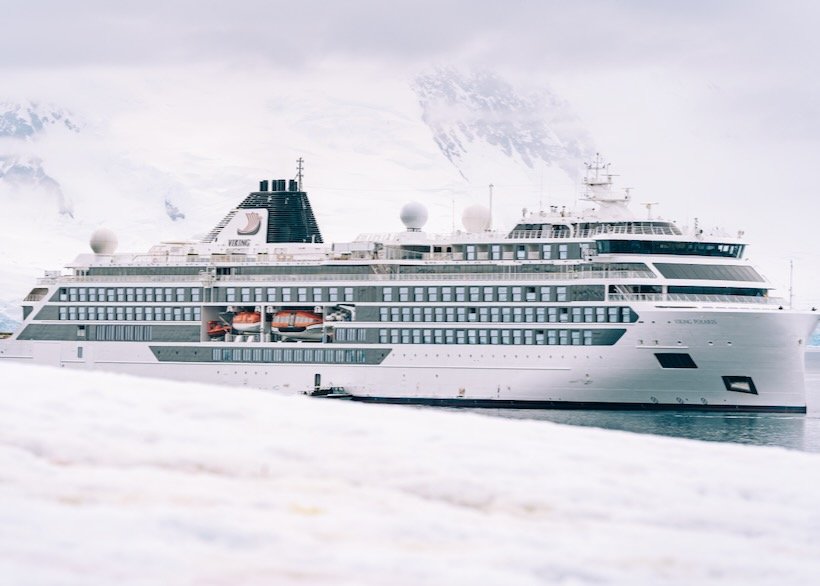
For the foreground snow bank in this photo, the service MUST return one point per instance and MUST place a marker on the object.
(106, 479)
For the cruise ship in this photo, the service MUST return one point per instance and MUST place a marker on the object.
(600, 308)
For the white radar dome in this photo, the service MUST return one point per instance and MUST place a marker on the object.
(103, 241)
(476, 218)
(413, 215)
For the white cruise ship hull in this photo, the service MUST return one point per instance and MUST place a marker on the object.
(766, 347)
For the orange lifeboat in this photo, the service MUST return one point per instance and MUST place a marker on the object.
(217, 329)
(295, 320)
(247, 321)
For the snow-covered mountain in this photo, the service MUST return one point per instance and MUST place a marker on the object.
(468, 111)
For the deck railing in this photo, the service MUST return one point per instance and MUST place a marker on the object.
(471, 277)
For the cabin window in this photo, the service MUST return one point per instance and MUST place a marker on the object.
(418, 294)
(470, 252)
(495, 252)
(521, 252)
(432, 293)
(563, 251)
(301, 294)
(560, 293)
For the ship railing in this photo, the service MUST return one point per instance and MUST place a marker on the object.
(307, 277)
(696, 298)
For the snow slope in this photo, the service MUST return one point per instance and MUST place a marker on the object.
(106, 479)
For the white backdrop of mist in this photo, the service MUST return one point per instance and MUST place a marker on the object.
(710, 109)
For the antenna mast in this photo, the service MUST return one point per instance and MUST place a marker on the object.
(299, 168)
(791, 284)
(491, 207)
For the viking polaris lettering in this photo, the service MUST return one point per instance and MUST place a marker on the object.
(596, 309)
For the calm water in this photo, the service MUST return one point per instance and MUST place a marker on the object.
(798, 432)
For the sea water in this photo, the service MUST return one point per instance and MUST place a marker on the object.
(787, 430)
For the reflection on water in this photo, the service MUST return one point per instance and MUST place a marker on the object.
(797, 432)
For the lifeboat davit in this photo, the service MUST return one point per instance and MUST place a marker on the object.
(294, 320)
(217, 329)
(247, 321)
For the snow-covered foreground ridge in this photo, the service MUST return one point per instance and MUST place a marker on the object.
(107, 479)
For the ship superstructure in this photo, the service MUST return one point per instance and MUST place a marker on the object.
(600, 308)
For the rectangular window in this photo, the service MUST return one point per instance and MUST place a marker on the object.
(120, 313)
(521, 252)
(516, 293)
(560, 293)
(348, 293)
(502, 294)
(529, 294)
(317, 294)
(230, 295)
(286, 294)
(474, 294)
(333, 294)
(563, 337)
(562, 251)
(418, 294)
(387, 294)
(257, 294)
(438, 336)
(546, 251)
(577, 314)
(245, 294)
(432, 293)
(180, 295)
(495, 252)
(271, 294)
(149, 295)
(301, 294)
(404, 294)
(196, 294)
(140, 294)
(470, 252)
(487, 294)
(446, 293)
(576, 338)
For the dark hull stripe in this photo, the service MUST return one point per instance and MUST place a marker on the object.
(509, 404)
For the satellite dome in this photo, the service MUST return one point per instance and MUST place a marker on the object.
(476, 218)
(414, 216)
(103, 241)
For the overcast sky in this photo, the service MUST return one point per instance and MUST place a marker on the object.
(724, 94)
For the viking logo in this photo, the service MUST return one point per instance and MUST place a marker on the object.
(254, 222)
